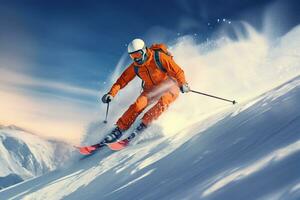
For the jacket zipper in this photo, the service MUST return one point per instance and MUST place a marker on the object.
(150, 76)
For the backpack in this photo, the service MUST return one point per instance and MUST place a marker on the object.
(157, 48)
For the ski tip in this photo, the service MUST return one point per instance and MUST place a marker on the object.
(86, 150)
(117, 146)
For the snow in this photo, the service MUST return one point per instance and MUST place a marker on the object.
(275, 156)
(25, 155)
(133, 181)
(253, 154)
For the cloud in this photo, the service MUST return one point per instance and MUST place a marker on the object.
(47, 114)
(14, 79)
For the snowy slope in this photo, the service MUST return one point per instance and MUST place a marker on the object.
(251, 151)
(24, 155)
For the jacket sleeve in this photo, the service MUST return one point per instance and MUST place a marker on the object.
(123, 80)
(173, 69)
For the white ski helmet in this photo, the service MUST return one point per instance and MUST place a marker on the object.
(138, 51)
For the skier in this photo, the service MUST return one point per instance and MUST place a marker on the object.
(162, 80)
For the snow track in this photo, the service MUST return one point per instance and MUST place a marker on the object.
(251, 151)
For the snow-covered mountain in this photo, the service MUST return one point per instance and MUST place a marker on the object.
(25, 155)
(251, 151)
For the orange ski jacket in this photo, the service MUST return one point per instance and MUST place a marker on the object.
(150, 73)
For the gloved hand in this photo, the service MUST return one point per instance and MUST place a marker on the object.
(185, 88)
(107, 98)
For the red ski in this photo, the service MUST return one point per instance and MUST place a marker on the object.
(117, 146)
(87, 150)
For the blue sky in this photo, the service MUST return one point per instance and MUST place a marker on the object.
(80, 42)
(56, 55)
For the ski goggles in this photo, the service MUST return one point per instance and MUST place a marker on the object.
(136, 55)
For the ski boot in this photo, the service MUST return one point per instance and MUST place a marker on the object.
(137, 130)
(119, 145)
(115, 134)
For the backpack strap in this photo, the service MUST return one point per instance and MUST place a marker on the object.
(157, 61)
(136, 71)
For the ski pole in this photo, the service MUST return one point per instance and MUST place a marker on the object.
(107, 108)
(232, 101)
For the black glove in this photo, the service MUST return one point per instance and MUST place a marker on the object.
(185, 88)
(107, 98)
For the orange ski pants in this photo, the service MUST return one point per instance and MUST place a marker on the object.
(163, 100)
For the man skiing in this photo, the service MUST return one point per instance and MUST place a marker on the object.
(162, 80)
